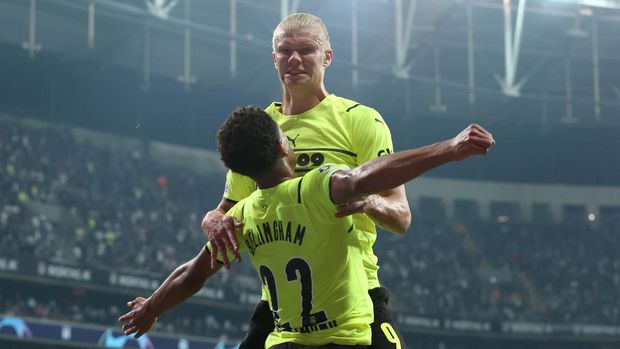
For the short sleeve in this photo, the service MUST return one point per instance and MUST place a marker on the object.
(238, 187)
(315, 190)
(371, 135)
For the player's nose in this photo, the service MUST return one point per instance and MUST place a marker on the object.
(295, 57)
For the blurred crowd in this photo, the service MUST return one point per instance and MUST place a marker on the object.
(71, 202)
(114, 209)
(81, 306)
(572, 270)
(505, 271)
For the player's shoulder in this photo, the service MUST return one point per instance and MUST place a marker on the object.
(238, 208)
(314, 189)
(353, 107)
(273, 107)
(274, 110)
(320, 173)
(328, 169)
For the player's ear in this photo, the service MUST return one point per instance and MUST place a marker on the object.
(283, 148)
(328, 56)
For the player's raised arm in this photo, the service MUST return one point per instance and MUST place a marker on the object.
(390, 171)
(182, 283)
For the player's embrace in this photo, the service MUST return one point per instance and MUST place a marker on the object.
(309, 261)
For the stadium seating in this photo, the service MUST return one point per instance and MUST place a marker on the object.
(74, 203)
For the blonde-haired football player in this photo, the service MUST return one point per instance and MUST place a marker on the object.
(322, 128)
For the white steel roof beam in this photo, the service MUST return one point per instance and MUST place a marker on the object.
(511, 49)
(187, 78)
(568, 90)
(146, 58)
(471, 74)
(233, 40)
(403, 37)
(611, 4)
(595, 72)
(437, 106)
(31, 45)
(91, 25)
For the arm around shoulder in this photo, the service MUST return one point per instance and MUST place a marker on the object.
(220, 231)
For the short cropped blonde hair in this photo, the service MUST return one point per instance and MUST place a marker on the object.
(297, 21)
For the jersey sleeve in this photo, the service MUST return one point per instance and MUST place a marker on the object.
(371, 135)
(264, 293)
(237, 212)
(315, 191)
(238, 187)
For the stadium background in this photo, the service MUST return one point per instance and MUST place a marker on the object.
(108, 112)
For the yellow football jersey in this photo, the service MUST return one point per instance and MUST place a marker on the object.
(310, 263)
(339, 131)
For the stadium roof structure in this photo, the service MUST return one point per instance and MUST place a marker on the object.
(548, 59)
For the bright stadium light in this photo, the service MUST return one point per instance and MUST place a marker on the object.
(613, 4)
(161, 8)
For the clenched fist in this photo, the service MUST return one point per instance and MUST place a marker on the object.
(474, 140)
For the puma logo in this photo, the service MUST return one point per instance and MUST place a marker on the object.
(292, 140)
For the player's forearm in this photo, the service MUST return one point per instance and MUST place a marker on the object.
(182, 283)
(389, 171)
(390, 210)
(172, 292)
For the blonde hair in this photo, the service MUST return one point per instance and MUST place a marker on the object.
(300, 21)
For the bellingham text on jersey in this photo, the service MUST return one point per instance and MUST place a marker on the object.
(265, 233)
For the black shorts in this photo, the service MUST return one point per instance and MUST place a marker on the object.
(261, 325)
(385, 334)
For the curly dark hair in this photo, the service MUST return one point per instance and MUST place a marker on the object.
(247, 141)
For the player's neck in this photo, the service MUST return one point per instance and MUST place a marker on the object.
(279, 173)
(299, 100)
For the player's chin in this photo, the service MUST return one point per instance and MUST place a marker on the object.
(292, 80)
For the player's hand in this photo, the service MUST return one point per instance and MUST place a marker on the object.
(139, 320)
(474, 140)
(349, 208)
(220, 230)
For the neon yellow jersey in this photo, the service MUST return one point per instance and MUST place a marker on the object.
(309, 262)
(339, 131)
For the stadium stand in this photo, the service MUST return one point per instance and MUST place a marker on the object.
(66, 202)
